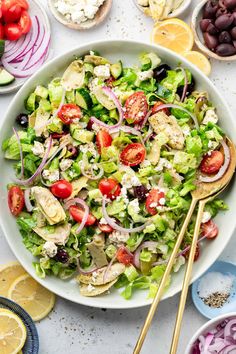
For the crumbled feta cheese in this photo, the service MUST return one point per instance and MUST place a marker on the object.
(178, 263)
(103, 221)
(93, 84)
(134, 204)
(51, 176)
(96, 127)
(65, 164)
(153, 205)
(50, 249)
(102, 71)
(90, 288)
(210, 117)
(78, 16)
(186, 131)
(145, 163)
(88, 148)
(38, 149)
(163, 163)
(206, 217)
(118, 237)
(145, 75)
(130, 180)
(162, 201)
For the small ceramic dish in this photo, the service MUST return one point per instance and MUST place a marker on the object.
(225, 268)
(32, 340)
(196, 18)
(35, 9)
(206, 328)
(99, 17)
(176, 13)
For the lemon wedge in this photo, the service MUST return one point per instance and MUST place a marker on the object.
(199, 60)
(8, 273)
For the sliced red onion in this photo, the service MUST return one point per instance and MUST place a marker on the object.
(108, 91)
(185, 84)
(90, 270)
(19, 43)
(148, 244)
(39, 169)
(21, 152)
(109, 267)
(28, 204)
(61, 147)
(223, 169)
(229, 328)
(128, 130)
(229, 349)
(82, 203)
(92, 176)
(143, 123)
(175, 106)
(208, 340)
(113, 224)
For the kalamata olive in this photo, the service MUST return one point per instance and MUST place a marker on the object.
(234, 43)
(224, 37)
(190, 88)
(161, 72)
(210, 41)
(61, 256)
(212, 29)
(225, 50)
(230, 4)
(221, 11)
(234, 17)
(224, 21)
(209, 10)
(141, 192)
(22, 120)
(204, 23)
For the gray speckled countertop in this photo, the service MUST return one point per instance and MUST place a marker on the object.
(74, 329)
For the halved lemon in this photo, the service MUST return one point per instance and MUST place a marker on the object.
(173, 34)
(199, 60)
(8, 273)
(12, 333)
(32, 296)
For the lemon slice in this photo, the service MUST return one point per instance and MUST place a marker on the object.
(32, 296)
(173, 34)
(199, 60)
(12, 333)
(8, 273)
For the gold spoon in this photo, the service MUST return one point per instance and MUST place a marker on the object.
(203, 191)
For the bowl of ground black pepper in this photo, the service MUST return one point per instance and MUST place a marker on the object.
(214, 293)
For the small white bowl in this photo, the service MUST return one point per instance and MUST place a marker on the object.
(178, 12)
(206, 328)
(196, 18)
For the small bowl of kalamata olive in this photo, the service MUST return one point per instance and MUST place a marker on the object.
(214, 27)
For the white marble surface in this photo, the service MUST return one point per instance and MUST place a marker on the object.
(75, 329)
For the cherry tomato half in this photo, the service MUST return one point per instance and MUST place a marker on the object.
(77, 214)
(133, 154)
(209, 230)
(197, 253)
(105, 228)
(69, 112)
(1, 31)
(12, 31)
(16, 200)
(212, 163)
(136, 107)
(157, 105)
(25, 22)
(153, 201)
(124, 256)
(13, 14)
(61, 189)
(103, 139)
(109, 187)
(6, 4)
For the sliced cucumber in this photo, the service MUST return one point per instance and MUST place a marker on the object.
(116, 69)
(83, 99)
(5, 77)
(2, 47)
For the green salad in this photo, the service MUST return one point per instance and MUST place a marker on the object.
(106, 157)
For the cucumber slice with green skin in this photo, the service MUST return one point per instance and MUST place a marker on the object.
(2, 47)
(116, 69)
(83, 99)
(5, 77)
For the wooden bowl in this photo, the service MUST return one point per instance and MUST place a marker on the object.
(195, 24)
(99, 17)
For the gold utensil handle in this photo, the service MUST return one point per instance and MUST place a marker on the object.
(187, 278)
(164, 280)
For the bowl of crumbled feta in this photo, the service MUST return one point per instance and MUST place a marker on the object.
(96, 180)
(80, 15)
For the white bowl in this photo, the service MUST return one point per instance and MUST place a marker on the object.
(178, 12)
(206, 328)
(128, 51)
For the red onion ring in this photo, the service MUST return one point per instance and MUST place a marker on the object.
(128, 130)
(175, 106)
(21, 152)
(92, 177)
(109, 267)
(185, 84)
(223, 169)
(82, 203)
(148, 244)
(28, 204)
(108, 91)
(39, 169)
(143, 123)
(90, 270)
(113, 224)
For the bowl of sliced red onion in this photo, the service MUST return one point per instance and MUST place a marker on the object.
(217, 336)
